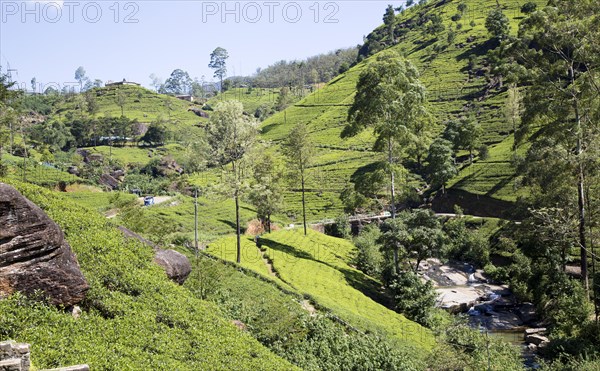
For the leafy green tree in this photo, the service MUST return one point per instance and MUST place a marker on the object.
(413, 297)
(230, 135)
(558, 46)
(464, 133)
(197, 88)
(156, 133)
(52, 133)
(80, 76)
(435, 25)
(8, 113)
(121, 100)
(426, 236)
(218, 62)
(391, 100)
(388, 19)
(395, 238)
(529, 7)
(513, 110)
(91, 102)
(368, 257)
(299, 149)
(266, 194)
(178, 83)
(462, 8)
(156, 82)
(342, 227)
(464, 244)
(441, 167)
(497, 24)
(283, 99)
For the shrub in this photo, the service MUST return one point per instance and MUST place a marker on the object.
(369, 258)
(528, 7)
(341, 227)
(497, 24)
(413, 297)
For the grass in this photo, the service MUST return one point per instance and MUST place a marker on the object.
(216, 217)
(36, 172)
(143, 105)
(251, 101)
(133, 316)
(317, 266)
(99, 201)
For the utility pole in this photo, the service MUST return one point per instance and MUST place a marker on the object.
(196, 220)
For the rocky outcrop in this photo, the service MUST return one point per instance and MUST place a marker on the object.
(538, 340)
(16, 357)
(109, 181)
(198, 112)
(34, 255)
(176, 265)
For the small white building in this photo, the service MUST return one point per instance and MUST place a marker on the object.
(124, 82)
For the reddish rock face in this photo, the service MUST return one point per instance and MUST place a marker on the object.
(34, 255)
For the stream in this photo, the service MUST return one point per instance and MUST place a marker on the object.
(493, 308)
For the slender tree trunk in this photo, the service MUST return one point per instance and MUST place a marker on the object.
(238, 258)
(12, 138)
(581, 201)
(237, 226)
(392, 179)
(592, 248)
(303, 202)
(269, 223)
(396, 260)
(196, 221)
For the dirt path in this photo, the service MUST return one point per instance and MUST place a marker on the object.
(306, 305)
(267, 263)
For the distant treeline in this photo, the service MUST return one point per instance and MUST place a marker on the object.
(313, 70)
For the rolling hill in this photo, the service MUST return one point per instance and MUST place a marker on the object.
(453, 89)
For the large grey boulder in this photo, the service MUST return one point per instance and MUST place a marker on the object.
(34, 255)
(176, 265)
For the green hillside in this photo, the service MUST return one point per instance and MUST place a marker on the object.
(134, 317)
(140, 104)
(250, 98)
(317, 266)
(445, 73)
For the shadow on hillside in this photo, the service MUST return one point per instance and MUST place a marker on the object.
(478, 51)
(286, 249)
(232, 225)
(358, 280)
(367, 286)
(423, 45)
(268, 128)
(498, 186)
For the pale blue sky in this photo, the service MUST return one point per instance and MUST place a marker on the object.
(132, 39)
